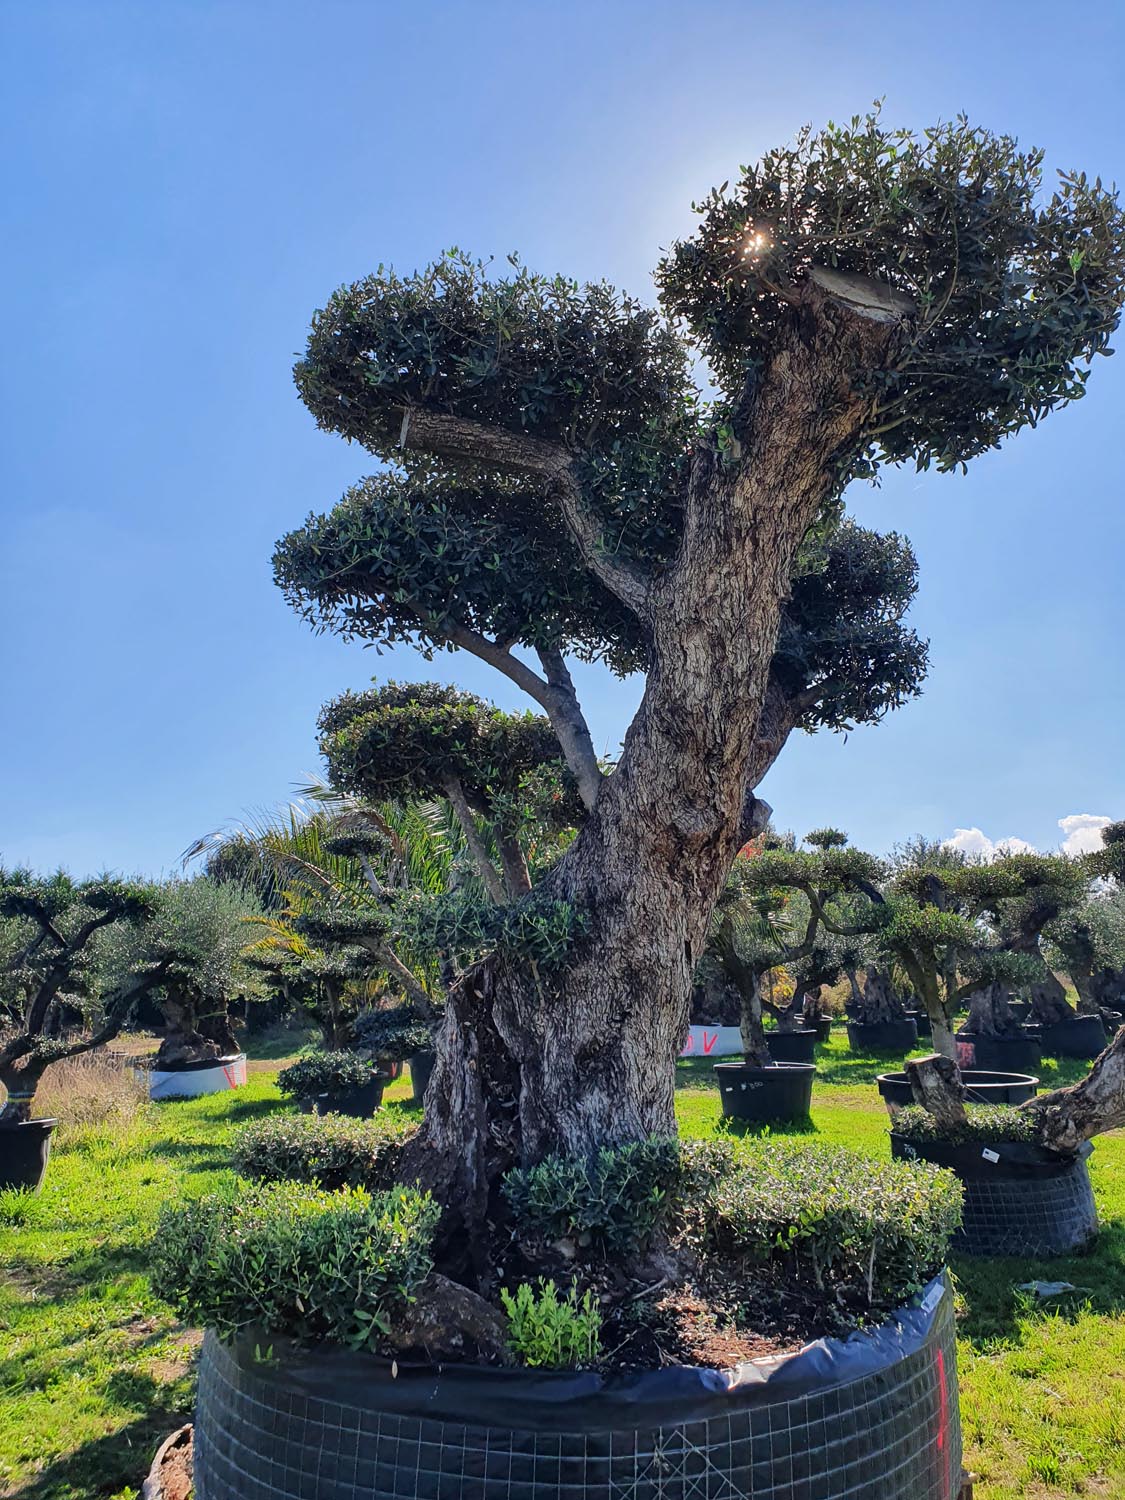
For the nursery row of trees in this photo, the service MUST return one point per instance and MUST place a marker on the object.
(929, 926)
(421, 854)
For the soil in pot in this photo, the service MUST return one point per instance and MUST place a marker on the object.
(421, 1069)
(792, 1046)
(1001, 1054)
(1079, 1036)
(780, 1093)
(1019, 1199)
(980, 1088)
(873, 1414)
(883, 1036)
(25, 1150)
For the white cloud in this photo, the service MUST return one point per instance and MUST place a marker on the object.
(1083, 832)
(977, 844)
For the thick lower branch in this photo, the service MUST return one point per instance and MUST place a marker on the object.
(1069, 1116)
(481, 860)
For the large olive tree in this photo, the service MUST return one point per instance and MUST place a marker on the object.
(554, 486)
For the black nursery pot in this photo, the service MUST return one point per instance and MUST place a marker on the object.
(421, 1069)
(1001, 1054)
(360, 1103)
(1019, 1199)
(25, 1150)
(1079, 1036)
(823, 1029)
(980, 1088)
(779, 1094)
(883, 1036)
(922, 1022)
(873, 1415)
(792, 1046)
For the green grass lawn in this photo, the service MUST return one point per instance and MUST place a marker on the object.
(94, 1371)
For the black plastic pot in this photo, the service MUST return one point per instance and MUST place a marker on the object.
(1021, 1009)
(25, 1150)
(922, 1022)
(1000, 1054)
(1019, 1199)
(792, 1046)
(883, 1036)
(781, 1093)
(980, 1088)
(823, 1029)
(421, 1068)
(874, 1415)
(361, 1102)
(1079, 1036)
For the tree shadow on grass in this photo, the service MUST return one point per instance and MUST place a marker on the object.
(770, 1128)
(200, 1158)
(992, 1307)
(106, 1465)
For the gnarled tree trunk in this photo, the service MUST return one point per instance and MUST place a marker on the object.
(1069, 1116)
(990, 1014)
(532, 1061)
(879, 1002)
(1049, 1004)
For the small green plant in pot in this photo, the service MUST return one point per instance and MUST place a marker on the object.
(340, 1082)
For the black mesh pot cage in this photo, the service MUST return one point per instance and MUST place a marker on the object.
(870, 1417)
(1019, 1199)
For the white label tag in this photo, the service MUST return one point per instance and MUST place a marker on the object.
(990, 1155)
(933, 1297)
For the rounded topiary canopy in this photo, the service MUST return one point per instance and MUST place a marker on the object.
(415, 741)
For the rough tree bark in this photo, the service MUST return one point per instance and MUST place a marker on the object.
(532, 1062)
(879, 1002)
(1069, 1116)
(990, 1013)
(1049, 1004)
(936, 1084)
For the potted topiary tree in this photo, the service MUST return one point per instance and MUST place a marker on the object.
(200, 930)
(343, 1083)
(397, 1032)
(879, 1022)
(53, 939)
(553, 485)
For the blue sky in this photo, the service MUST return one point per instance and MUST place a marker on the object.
(186, 182)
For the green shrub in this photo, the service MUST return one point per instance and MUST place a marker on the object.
(860, 1234)
(293, 1260)
(549, 1332)
(610, 1202)
(396, 1033)
(986, 1124)
(333, 1151)
(332, 1073)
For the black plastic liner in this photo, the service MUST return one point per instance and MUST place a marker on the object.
(792, 1046)
(25, 1150)
(1008, 1054)
(874, 1415)
(1078, 1036)
(199, 1065)
(778, 1094)
(882, 1036)
(980, 1088)
(1025, 1202)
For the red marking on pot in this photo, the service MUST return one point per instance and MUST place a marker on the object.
(943, 1407)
